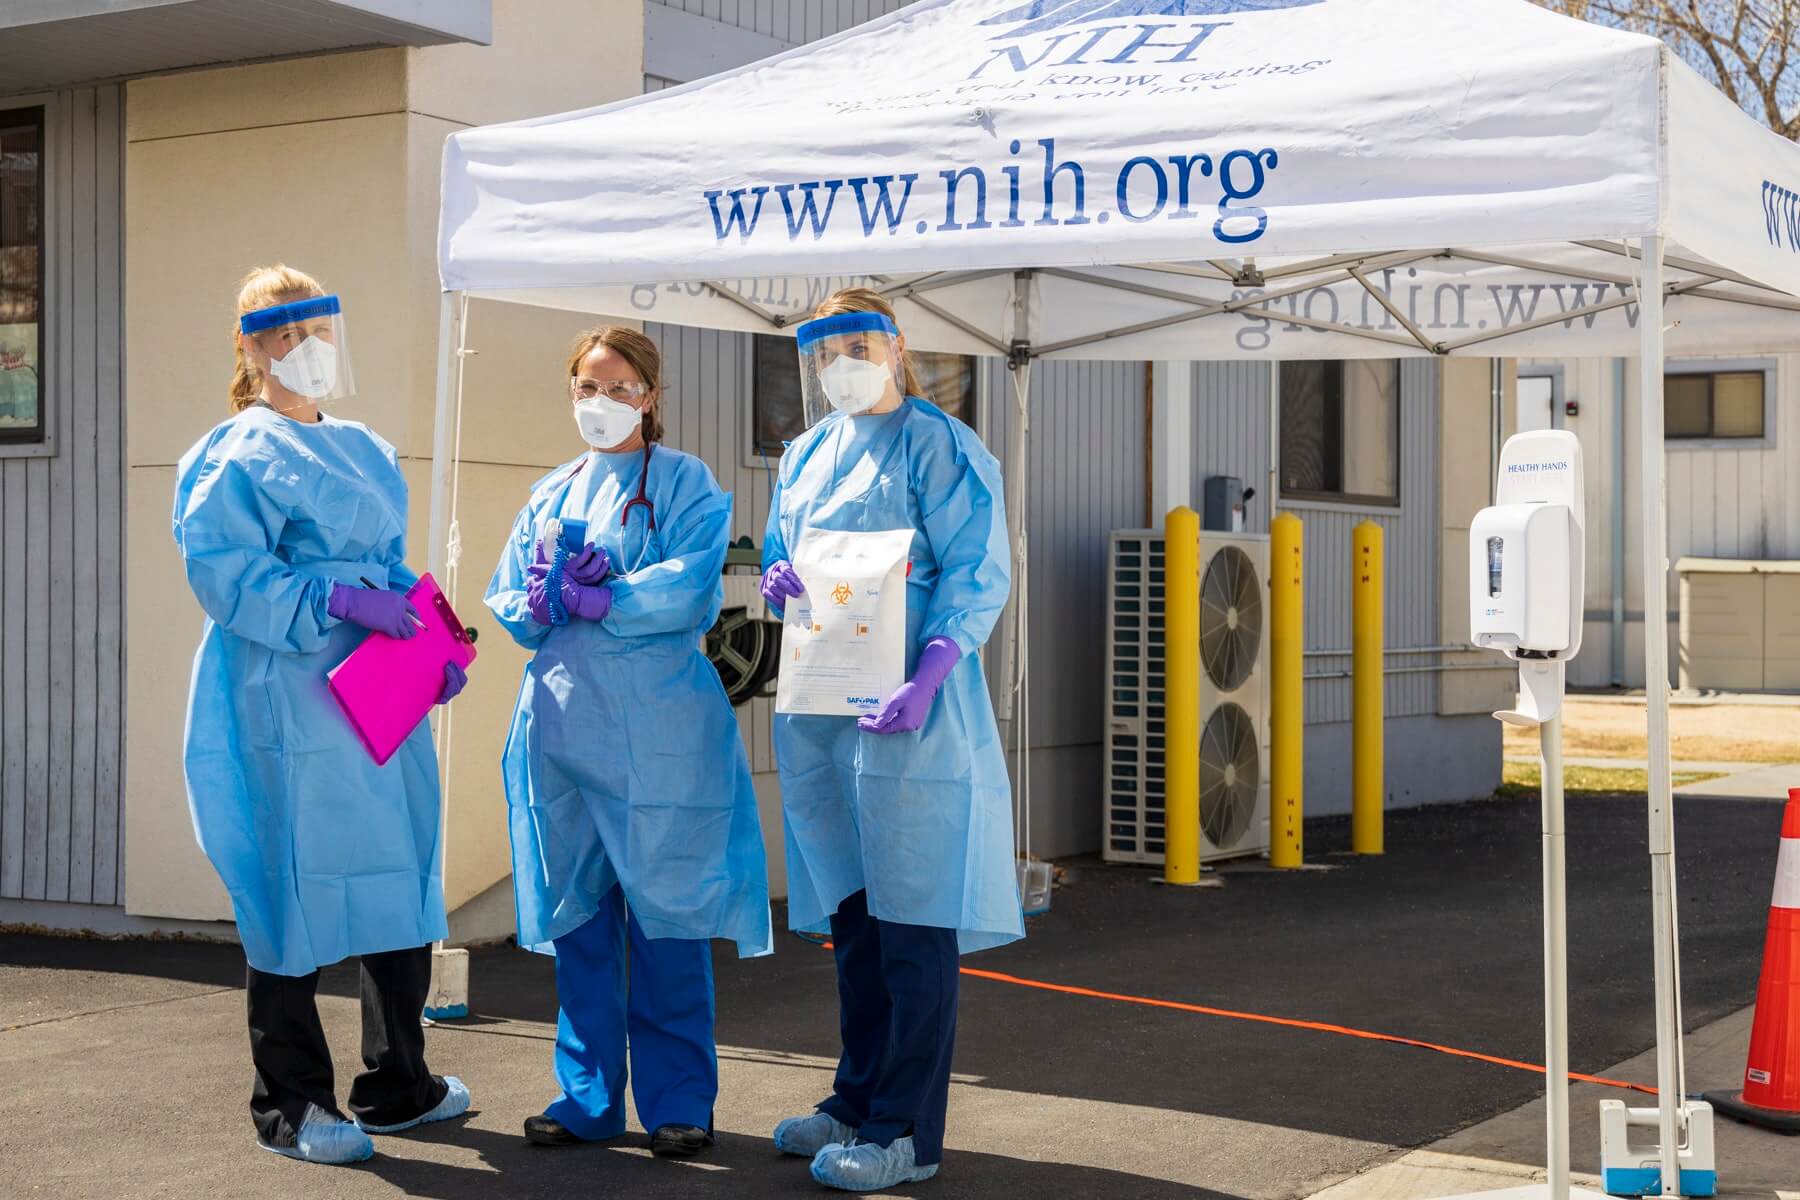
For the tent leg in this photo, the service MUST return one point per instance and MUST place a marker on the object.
(443, 436)
(443, 472)
(1652, 507)
(1017, 631)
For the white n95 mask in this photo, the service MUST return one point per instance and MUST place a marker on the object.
(605, 423)
(855, 385)
(309, 369)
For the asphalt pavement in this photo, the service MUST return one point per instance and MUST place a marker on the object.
(124, 1065)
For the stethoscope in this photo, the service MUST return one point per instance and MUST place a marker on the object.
(641, 498)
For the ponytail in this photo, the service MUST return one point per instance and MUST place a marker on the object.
(246, 381)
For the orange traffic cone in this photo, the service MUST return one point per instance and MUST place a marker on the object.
(1771, 1092)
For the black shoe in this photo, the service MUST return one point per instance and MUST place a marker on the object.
(679, 1141)
(548, 1131)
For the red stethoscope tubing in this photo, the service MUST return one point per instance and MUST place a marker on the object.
(640, 498)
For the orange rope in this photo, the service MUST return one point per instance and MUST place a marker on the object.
(1291, 1023)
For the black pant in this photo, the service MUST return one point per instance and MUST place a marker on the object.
(293, 1063)
(897, 1013)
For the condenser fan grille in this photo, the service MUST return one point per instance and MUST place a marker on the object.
(1230, 618)
(1229, 774)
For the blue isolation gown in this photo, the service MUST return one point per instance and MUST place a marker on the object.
(624, 763)
(922, 821)
(325, 854)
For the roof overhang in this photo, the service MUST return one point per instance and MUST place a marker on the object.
(46, 44)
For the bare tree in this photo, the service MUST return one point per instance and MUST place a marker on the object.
(1745, 47)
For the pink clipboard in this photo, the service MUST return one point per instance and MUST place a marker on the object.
(386, 687)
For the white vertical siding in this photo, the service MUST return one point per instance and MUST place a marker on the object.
(61, 538)
(1722, 503)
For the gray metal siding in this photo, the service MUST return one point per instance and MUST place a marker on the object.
(1085, 478)
(1410, 539)
(707, 413)
(795, 21)
(61, 541)
(1231, 432)
(1231, 437)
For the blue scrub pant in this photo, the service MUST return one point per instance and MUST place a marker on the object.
(897, 1013)
(618, 988)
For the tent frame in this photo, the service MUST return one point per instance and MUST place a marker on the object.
(1650, 283)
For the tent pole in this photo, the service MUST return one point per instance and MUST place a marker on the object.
(443, 436)
(1016, 633)
(1653, 515)
(443, 472)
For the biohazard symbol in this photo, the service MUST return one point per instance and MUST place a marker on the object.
(840, 595)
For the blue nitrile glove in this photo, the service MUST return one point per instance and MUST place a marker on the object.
(781, 583)
(907, 708)
(375, 609)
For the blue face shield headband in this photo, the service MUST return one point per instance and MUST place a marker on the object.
(304, 340)
(849, 363)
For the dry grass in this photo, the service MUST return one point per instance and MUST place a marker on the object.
(1521, 779)
(1712, 733)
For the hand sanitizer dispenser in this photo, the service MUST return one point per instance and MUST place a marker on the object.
(1526, 557)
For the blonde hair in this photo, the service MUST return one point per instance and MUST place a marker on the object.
(262, 288)
(851, 300)
(643, 355)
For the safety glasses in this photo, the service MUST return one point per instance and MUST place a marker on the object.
(613, 389)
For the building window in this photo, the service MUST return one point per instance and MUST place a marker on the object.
(1340, 431)
(948, 381)
(21, 275)
(1715, 405)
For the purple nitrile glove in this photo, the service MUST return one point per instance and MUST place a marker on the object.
(590, 602)
(375, 609)
(537, 593)
(455, 680)
(781, 583)
(589, 567)
(906, 709)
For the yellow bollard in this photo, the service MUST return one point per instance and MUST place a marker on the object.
(1181, 697)
(1287, 698)
(1367, 674)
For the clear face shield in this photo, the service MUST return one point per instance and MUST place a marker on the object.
(301, 347)
(849, 363)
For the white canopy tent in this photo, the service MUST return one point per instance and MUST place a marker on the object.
(1175, 179)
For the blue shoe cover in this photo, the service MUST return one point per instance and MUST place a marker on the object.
(454, 1104)
(324, 1138)
(804, 1137)
(866, 1167)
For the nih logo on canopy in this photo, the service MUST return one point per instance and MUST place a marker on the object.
(1040, 16)
(1781, 214)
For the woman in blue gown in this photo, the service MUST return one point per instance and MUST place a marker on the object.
(635, 834)
(899, 823)
(292, 529)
